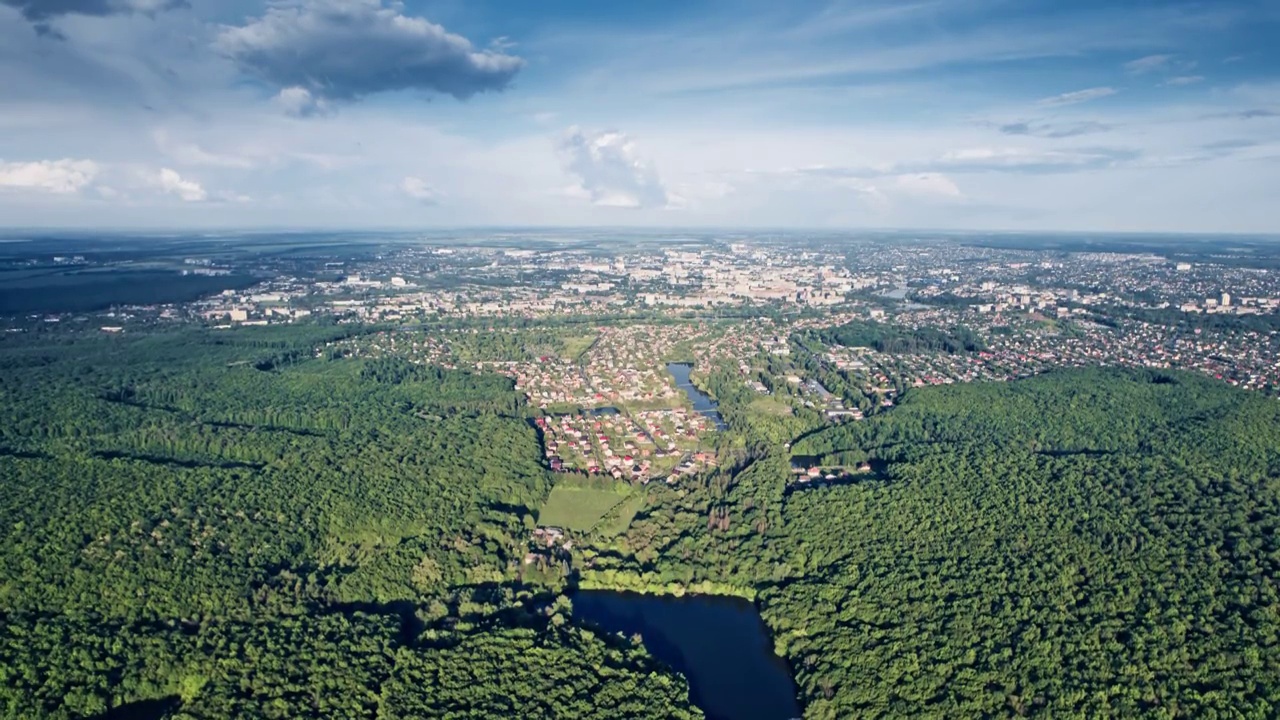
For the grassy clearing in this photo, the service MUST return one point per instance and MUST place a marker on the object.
(577, 508)
(619, 518)
(770, 406)
(574, 346)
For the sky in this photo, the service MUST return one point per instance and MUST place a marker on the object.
(969, 114)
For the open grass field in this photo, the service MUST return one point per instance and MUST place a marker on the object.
(575, 345)
(617, 520)
(770, 406)
(577, 508)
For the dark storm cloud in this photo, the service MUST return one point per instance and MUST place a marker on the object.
(41, 12)
(346, 49)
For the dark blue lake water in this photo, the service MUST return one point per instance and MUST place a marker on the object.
(702, 402)
(719, 643)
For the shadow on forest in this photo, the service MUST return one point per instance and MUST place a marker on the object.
(174, 462)
(142, 710)
(411, 626)
(125, 397)
(301, 432)
(508, 508)
(1075, 453)
(24, 454)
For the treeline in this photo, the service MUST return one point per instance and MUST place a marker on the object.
(356, 665)
(176, 523)
(1080, 544)
(897, 339)
(1216, 322)
(69, 292)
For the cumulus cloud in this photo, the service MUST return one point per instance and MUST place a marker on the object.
(1150, 63)
(1078, 96)
(169, 181)
(299, 102)
(609, 170)
(418, 189)
(343, 50)
(55, 176)
(41, 12)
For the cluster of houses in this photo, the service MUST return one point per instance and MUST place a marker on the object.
(551, 537)
(1026, 346)
(625, 365)
(654, 443)
(583, 443)
(415, 347)
(806, 475)
(551, 380)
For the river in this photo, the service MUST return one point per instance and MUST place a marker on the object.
(702, 402)
(719, 643)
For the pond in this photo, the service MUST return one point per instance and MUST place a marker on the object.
(719, 643)
(702, 402)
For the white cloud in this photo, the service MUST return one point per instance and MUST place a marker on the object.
(299, 102)
(55, 176)
(193, 154)
(928, 184)
(980, 153)
(169, 181)
(1184, 80)
(1078, 96)
(1018, 159)
(1150, 63)
(609, 170)
(419, 190)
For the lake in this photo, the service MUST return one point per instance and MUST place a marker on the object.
(719, 643)
(702, 402)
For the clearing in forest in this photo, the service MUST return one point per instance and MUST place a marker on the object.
(580, 508)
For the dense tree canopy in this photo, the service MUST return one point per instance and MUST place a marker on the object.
(238, 524)
(1080, 544)
(893, 339)
(232, 519)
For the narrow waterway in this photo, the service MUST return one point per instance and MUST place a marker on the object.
(719, 643)
(702, 402)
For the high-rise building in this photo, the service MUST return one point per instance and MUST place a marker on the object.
(1226, 299)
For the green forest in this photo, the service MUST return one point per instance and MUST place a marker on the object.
(893, 339)
(223, 524)
(1091, 543)
(235, 523)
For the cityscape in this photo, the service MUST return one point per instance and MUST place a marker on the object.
(1034, 310)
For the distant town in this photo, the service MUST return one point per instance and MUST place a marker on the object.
(1033, 309)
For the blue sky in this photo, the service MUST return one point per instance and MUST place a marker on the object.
(984, 114)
